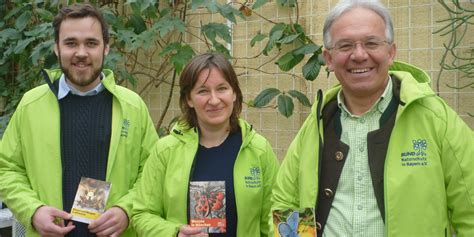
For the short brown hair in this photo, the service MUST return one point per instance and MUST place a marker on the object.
(77, 11)
(189, 77)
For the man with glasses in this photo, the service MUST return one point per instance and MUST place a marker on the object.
(380, 154)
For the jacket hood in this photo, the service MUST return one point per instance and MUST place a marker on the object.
(186, 135)
(415, 83)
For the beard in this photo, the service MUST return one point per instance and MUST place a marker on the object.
(81, 80)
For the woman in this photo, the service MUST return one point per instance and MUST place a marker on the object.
(212, 165)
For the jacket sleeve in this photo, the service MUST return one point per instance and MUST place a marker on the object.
(269, 174)
(15, 187)
(148, 207)
(458, 164)
(147, 143)
(285, 190)
(287, 185)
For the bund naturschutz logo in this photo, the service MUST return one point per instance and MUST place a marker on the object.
(417, 156)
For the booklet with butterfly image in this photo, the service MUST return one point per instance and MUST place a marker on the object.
(294, 223)
(91, 199)
(207, 202)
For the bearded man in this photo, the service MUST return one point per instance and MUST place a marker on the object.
(78, 124)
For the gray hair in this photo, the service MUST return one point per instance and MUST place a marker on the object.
(346, 5)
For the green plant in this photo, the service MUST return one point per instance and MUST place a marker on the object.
(148, 30)
(456, 28)
(27, 41)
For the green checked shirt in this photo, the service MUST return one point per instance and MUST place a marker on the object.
(354, 211)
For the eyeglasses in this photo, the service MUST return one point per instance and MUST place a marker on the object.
(346, 46)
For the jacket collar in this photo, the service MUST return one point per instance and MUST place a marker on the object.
(183, 133)
(52, 76)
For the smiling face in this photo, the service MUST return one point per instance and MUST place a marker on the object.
(81, 51)
(212, 98)
(362, 73)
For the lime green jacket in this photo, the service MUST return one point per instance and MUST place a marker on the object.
(161, 204)
(428, 171)
(30, 152)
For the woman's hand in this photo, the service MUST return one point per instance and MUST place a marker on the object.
(188, 231)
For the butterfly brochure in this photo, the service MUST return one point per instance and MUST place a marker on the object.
(294, 223)
(91, 198)
(207, 202)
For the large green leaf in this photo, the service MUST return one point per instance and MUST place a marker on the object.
(287, 3)
(211, 5)
(126, 37)
(12, 13)
(272, 41)
(275, 34)
(41, 30)
(170, 48)
(299, 28)
(9, 34)
(139, 6)
(125, 75)
(289, 61)
(300, 96)
(41, 50)
(137, 23)
(285, 105)
(179, 54)
(168, 24)
(22, 44)
(23, 20)
(45, 15)
(182, 57)
(110, 17)
(229, 12)
(288, 39)
(258, 3)
(221, 49)
(212, 30)
(145, 40)
(114, 59)
(311, 68)
(307, 49)
(265, 97)
(197, 3)
(258, 37)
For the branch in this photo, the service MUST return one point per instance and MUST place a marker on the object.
(269, 73)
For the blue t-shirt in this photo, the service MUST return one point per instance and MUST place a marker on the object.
(217, 164)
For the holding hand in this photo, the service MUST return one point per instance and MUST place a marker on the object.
(188, 231)
(49, 221)
(112, 223)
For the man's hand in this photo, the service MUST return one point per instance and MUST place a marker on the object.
(49, 221)
(112, 223)
(188, 231)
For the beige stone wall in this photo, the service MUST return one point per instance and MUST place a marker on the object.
(414, 22)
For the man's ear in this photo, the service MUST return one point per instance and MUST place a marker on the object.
(106, 49)
(328, 59)
(56, 49)
(392, 52)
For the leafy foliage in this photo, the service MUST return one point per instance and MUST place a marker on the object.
(142, 31)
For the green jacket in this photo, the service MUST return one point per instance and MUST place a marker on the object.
(428, 177)
(30, 160)
(161, 204)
